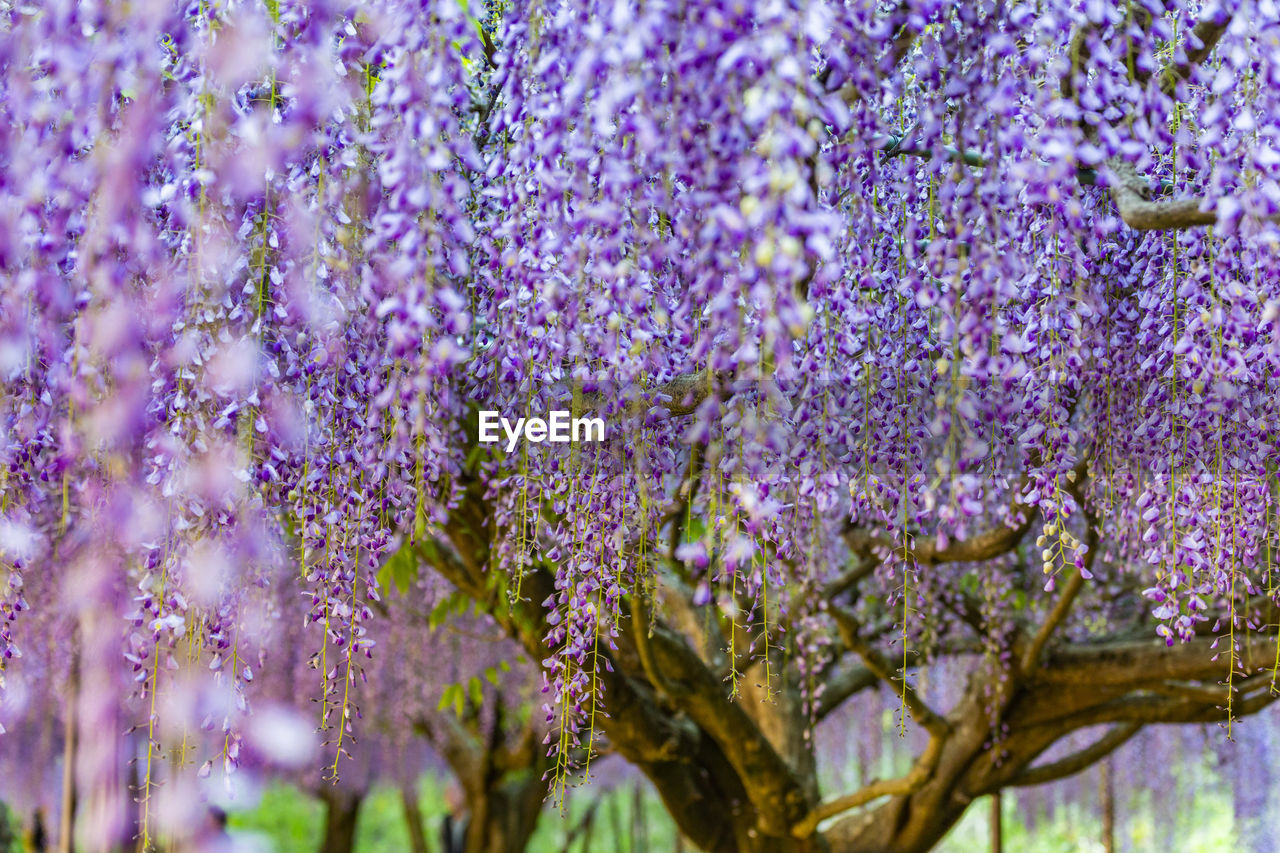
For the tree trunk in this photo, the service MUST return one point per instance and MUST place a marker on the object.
(1107, 794)
(413, 819)
(503, 817)
(997, 823)
(639, 828)
(36, 837)
(343, 808)
(67, 819)
(916, 822)
(731, 774)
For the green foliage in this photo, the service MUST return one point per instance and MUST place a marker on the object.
(381, 824)
(10, 830)
(455, 696)
(399, 571)
(283, 816)
(454, 604)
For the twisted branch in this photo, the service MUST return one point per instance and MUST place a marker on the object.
(1077, 761)
(909, 783)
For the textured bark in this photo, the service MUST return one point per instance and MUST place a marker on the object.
(737, 777)
(502, 782)
(719, 776)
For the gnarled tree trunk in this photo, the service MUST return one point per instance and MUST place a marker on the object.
(736, 778)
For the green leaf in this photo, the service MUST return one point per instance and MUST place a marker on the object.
(465, 6)
(452, 695)
(400, 569)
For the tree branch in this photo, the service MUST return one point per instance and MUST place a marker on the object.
(1206, 34)
(771, 784)
(850, 633)
(850, 577)
(840, 685)
(987, 545)
(1078, 761)
(1140, 662)
(1131, 195)
(912, 781)
(1148, 708)
(680, 395)
(1060, 609)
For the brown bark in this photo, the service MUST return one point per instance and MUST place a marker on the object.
(733, 775)
(504, 820)
(413, 819)
(997, 823)
(342, 810)
(719, 777)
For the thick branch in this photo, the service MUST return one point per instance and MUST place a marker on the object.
(1145, 662)
(987, 545)
(1078, 761)
(1149, 708)
(862, 567)
(1131, 194)
(771, 784)
(840, 685)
